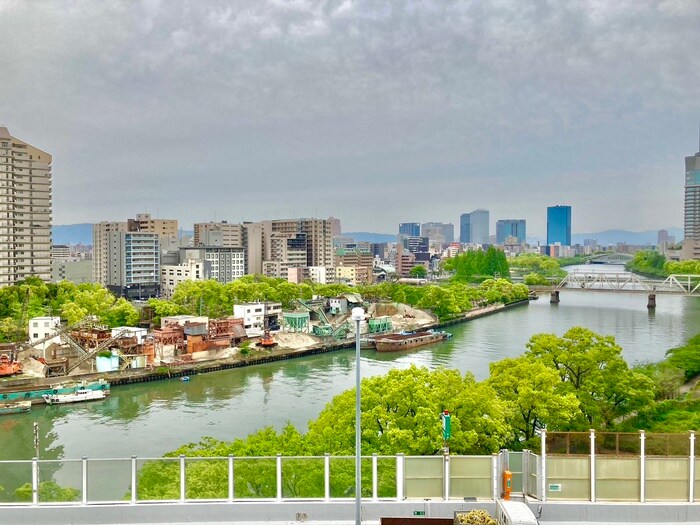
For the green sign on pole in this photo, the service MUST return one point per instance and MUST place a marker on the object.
(445, 425)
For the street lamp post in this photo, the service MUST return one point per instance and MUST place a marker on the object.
(358, 315)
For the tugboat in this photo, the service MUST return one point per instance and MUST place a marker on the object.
(82, 394)
(266, 341)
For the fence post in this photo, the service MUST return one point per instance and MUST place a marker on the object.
(279, 477)
(642, 466)
(543, 437)
(35, 481)
(182, 478)
(593, 489)
(327, 476)
(494, 477)
(84, 485)
(446, 477)
(400, 466)
(230, 478)
(133, 480)
(691, 468)
(374, 476)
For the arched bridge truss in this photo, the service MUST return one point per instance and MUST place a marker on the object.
(676, 284)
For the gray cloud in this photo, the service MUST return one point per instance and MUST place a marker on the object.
(374, 112)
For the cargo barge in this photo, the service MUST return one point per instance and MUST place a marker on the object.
(35, 394)
(408, 340)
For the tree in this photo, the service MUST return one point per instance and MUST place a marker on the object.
(592, 368)
(419, 271)
(534, 396)
(686, 357)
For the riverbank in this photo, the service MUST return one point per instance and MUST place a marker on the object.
(255, 357)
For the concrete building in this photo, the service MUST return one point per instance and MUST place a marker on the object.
(231, 234)
(691, 223)
(100, 248)
(559, 225)
(416, 244)
(258, 316)
(223, 264)
(510, 228)
(318, 238)
(25, 210)
(72, 269)
(133, 267)
(354, 275)
(172, 275)
(438, 232)
(43, 332)
(322, 274)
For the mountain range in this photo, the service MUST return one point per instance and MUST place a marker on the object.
(82, 234)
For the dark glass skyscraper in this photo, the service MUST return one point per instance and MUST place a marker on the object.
(411, 229)
(474, 227)
(559, 225)
(510, 228)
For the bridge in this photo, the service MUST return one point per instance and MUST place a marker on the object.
(677, 284)
(611, 258)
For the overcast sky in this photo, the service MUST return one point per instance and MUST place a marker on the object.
(370, 111)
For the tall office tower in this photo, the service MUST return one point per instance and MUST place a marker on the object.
(442, 231)
(691, 224)
(231, 234)
(559, 225)
(510, 228)
(25, 210)
(411, 229)
(479, 223)
(465, 228)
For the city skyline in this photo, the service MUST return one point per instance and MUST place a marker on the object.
(358, 110)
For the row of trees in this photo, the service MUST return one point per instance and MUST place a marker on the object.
(73, 302)
(574, 382)
(654, 263)
(474, 265)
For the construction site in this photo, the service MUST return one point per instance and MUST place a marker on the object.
(58, 350)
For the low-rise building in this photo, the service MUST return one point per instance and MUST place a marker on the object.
(43, 332)
(258, 317)
(173, 275)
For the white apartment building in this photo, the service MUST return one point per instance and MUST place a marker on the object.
(223, 264)
(44, 329)
(232, 235)
(172, 275)
(322, 274)
(25, 210)
(258, 316)
(134, 264)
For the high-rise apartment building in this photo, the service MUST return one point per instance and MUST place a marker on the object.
(319, 241)
(474, 227)
(510, 228)
(410, 229)
(121, 279)
(232, 235)
(559, 225)
(25, 210)
(691, 223)
(133, 264)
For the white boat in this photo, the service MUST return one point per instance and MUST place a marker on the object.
(81, 394)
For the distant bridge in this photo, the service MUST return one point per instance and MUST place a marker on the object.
(611, 258)
(676, 284)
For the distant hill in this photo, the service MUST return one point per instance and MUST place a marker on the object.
(72, 233)
(370, 237)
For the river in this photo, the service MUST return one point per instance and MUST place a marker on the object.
(150, 419)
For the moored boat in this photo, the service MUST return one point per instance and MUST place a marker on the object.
(82, 394)
(408, 340)
(16, 407)
(35, 393)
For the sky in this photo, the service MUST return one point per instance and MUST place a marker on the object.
(374, 112)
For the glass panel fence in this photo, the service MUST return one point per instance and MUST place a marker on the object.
(60, 481)
(108, 480)
(206, 478)
(15, 481)
(158, 479)
(255, 478)
(303, 477)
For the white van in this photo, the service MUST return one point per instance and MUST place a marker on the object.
(514, 513)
